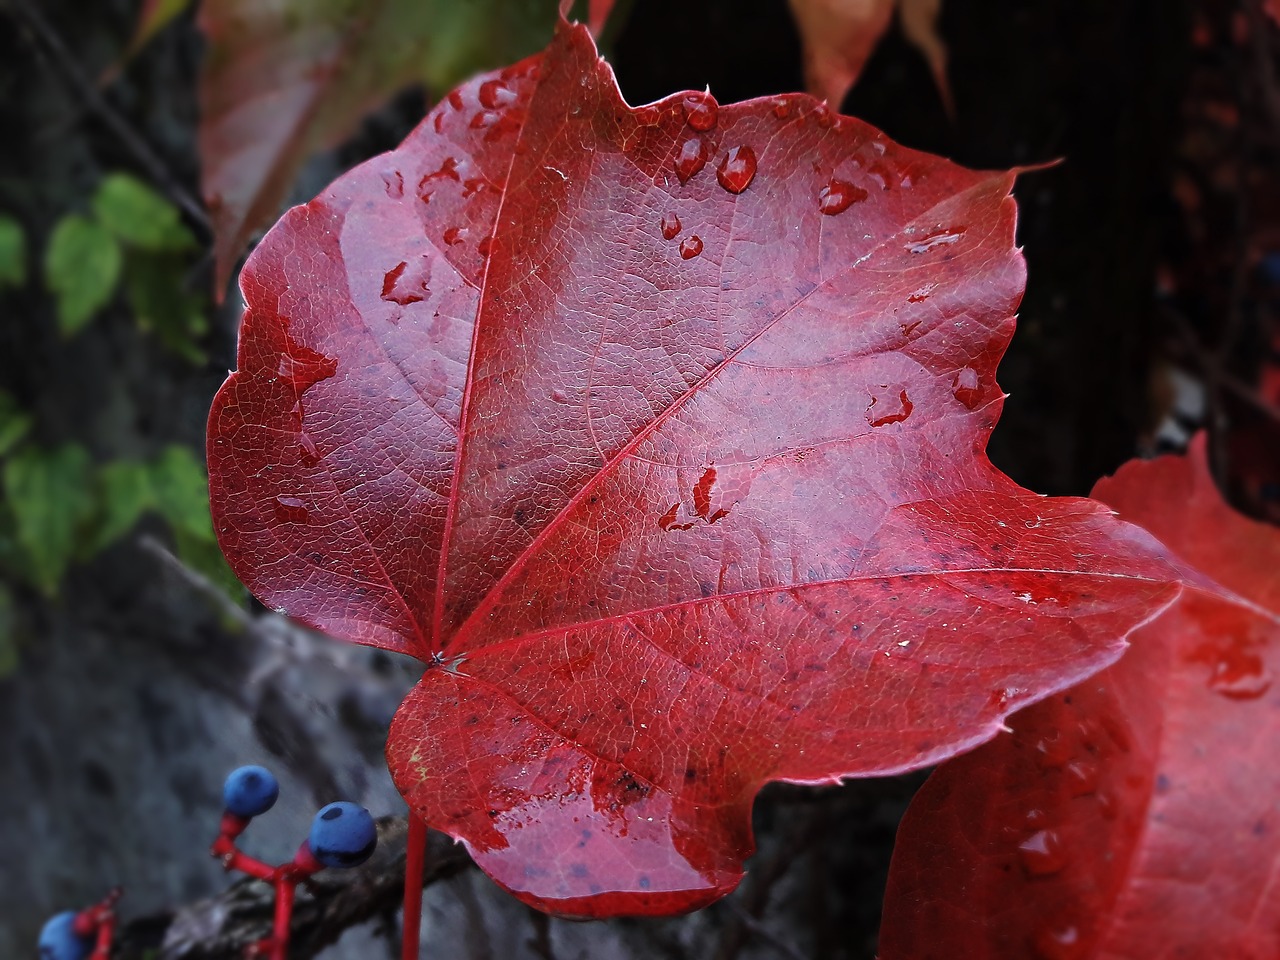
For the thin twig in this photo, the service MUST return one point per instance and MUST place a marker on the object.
(147, 158)
(221, 927)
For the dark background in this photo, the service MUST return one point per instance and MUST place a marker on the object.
(1147, 248)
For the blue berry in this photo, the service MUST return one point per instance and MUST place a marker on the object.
(59, 941)
(342, 835)
(250, 791)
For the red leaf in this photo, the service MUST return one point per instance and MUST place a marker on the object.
(672, 525)
(840, 36)
(1134, 815)
(282, 80)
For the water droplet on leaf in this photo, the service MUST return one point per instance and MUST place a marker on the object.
(1042, 853)
(404, 289)
(394, 182)
(691, 158)
(737, 169)
(690, 247)
(1060, 942)
(455, 235)
(967, 388)
(495, 94)
(838, 196)
(483, 119)
(670, 226)
(1236, 672)
(939, 238)
(290, 510)
(701, 111)
(888, 406)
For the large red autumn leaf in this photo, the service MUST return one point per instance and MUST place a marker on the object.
(661, 432)
(1135, 815)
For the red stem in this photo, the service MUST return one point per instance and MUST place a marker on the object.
(286, 884)
(415, 865)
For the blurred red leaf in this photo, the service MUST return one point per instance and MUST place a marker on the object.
(283, 80)
(1136, 814)
(839, 37)
(660, 432)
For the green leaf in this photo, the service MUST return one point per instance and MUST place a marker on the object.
(124, 487)
(154, 16)
(81, 268)
(52, 497)
(14, 423)
(139, 216)
(182, 493)
(163, 306)
(13, 253)
(8, 634)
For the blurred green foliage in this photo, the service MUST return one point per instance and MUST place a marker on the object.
(137, 236)
(13, 253)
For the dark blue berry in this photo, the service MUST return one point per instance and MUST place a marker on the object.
(59, 941)
(342, 835)
(250, 791)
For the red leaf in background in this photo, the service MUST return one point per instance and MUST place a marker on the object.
(839, 37)
(1136, 814)
(282, 80)
(673, 519)
(1272, 7)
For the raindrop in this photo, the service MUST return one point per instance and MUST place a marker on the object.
(1042, 853)
(781, 108)
(401, 289)
(455, 235)
(939, 238)
(395, 184)
(1081, 777)
(824, 116)
(1241, 683)
(1053, 751)
(484, 246)
(921, 295)
(455, 100)
(885, 408)
(308, 453)
(303, 368)
(838, 196)
(690, 247)
(485, 118)
(473, 186)
(290, 510)
(1236, 672)
(1061, 942)
(670, 226)
(1107, 804)
(967, 387)
(737, 169)
(701, 111)
(667, 521)
(691, 159)
(495, 94)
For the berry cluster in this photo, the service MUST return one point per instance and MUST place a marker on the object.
(82, 935)
(342, 835)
